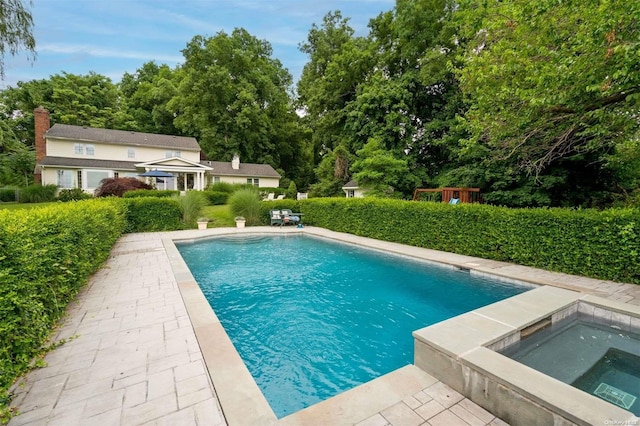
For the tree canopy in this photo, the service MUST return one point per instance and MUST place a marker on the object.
(16, 30)
(535, 103)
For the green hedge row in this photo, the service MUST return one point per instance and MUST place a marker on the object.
(599, 244)
(216, 198)
(158, 193)
(46, 255)
(153, 214)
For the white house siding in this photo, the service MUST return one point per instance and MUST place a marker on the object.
(65, 148)
(263, 182)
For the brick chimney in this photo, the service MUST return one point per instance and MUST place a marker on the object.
(42, 123)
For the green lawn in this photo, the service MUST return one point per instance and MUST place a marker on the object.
(220, 216)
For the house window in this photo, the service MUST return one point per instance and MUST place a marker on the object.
(78, 148)
(116, 175)
(169, 154)
(95, 176)
(216, 179)
(90, 149)
(131, 152)
(79, 178)
(65, 179)
(253, 181)
(351, 193)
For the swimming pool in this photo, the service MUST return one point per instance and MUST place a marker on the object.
(282, 301)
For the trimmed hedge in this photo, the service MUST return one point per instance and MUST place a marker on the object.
(8, 195)
(159, 193)
(153, 214)
(216, 198)
(598, 244)
(46, 255)
(37, 193)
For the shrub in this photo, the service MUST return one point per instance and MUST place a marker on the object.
(46, 255)
(116, 187)
(190, 205)
(37, 194)
(246, 203)
(216, 198)
(292, 191)
(599, 244)
(153, 214)
(222, 187)
(8, 195)
(160, 193)
(75, 194)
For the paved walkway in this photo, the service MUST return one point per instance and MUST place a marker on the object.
(131, 357)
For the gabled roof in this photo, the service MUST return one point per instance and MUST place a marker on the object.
(87, 163)
(352, 184)
(174, 162)
(223, 168)
(121, 137)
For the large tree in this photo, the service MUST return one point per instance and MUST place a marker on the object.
(338, 62)
(377, 171)
(392, 86)
(146, 94)
(553, 89)
(16, 160)
(16, 30)
(82, 100)
(233, 96)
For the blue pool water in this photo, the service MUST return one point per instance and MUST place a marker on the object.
(312, 318)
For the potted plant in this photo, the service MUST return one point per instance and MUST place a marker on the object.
(240, 221)
(203, 222)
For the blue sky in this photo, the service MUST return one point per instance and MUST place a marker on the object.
(111, 37)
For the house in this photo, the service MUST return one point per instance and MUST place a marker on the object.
(80, 157)
(260, 175)
(352, 190)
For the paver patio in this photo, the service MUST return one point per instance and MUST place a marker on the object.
(131, 356)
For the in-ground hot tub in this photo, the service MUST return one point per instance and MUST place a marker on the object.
(589, 353)
(464, 352)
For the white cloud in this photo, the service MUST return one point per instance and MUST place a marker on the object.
(102, 52)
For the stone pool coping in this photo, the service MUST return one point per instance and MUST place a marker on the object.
(234, 385)
(461, 353)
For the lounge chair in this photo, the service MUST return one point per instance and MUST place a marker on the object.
(276, 217)
(280, 197)
(270, 196)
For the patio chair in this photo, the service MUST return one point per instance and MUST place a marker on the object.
(289, 218)
(276, 217)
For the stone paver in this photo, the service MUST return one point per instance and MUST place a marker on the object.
(131, 356)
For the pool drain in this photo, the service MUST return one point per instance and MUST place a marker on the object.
(615, 395)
